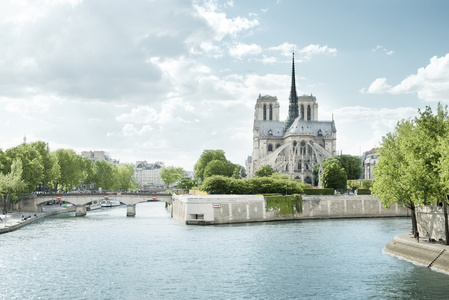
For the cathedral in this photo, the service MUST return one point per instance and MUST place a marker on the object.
(295, 145)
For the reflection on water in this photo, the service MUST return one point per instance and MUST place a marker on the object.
(106, 255)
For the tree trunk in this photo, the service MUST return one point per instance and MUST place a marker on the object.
(446, 231)
(414, 223)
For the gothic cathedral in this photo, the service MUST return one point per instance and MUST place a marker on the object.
(292, 147)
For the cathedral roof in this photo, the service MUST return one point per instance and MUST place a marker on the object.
(316, 128)
(271, 128)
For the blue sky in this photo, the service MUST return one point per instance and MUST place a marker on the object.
(165, 80)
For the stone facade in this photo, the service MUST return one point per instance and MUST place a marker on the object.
(292, 146)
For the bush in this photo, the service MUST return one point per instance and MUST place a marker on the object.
(218, 184)
(324, 191)
(363, 192)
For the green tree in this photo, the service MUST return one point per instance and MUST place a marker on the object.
(33, 169)
(69, 170)
(12, 184)
(217, 167)
(170, 175)
(124, 177)
(105, 175)
(324, 163)
(264, 171)
(334, 176)
(186, 183)
(206, 157)
(352, 165)
(49, 164)
(409, 171)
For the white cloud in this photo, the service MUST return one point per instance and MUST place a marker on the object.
(241, 50)
(305, 53)
(220, 24)
(430, 83)
(367, 125)
(381, 48)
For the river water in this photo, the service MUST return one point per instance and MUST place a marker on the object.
(106, 255)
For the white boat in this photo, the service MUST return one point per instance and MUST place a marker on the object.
(94, 205)
(109, 203)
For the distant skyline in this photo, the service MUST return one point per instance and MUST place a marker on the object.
(164, 80)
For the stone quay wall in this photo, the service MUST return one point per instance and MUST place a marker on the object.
(431, 255)
(430, 219)
(228, 209)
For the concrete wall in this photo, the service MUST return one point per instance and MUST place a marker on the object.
(430, 219)
(226, 209)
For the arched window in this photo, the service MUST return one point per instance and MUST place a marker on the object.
(302, 112)
(303, 148)
(278, 145)
(271, 112)
(309, 113)
(299, 165)
(270, 147)
(264, 112)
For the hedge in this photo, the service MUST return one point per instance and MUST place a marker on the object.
(363, 192)
(323, 191)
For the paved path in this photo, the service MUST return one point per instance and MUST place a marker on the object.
(14, 220)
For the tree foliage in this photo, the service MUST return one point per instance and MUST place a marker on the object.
(334, 176)
(411, 167)
(170, 175)
(206, 157)
(12, 184)
(264, 171)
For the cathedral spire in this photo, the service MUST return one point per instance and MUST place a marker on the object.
(293, 109)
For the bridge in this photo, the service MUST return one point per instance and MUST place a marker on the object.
(81, 201)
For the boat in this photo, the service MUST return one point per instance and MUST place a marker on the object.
(109, 203)
(93, 205)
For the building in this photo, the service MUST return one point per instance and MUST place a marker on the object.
(369, 160)
(98, 155)
(147, 174)
(295, 145)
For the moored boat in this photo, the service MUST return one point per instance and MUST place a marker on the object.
(109, 203)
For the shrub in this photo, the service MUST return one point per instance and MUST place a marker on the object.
(363, 192)
(323, 191)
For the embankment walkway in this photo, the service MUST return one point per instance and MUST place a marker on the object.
(432, 255)
(14, 221)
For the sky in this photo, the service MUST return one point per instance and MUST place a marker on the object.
(164, 80)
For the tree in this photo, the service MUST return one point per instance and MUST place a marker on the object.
(264, 171)
(124, 177)
(216, 167)
(334, 176)
(352, 165)
(33, 169)
(70, 169)
(324, 163)
(49, 164)
(170, 175)
(410, 169)
(12, 184)
(206, 157)
(186, 183)
(105, 175)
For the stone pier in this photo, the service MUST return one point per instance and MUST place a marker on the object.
(131, 210)
(80, 210)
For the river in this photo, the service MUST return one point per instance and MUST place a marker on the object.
(106, 255)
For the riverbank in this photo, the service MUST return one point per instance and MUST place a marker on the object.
(432, 255)
(14, 221)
